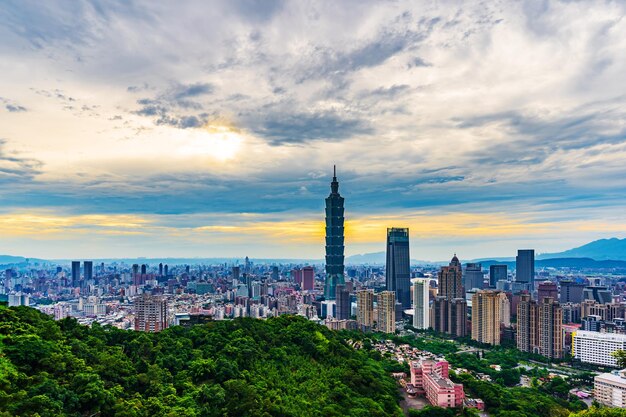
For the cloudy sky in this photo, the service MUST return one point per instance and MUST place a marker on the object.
(141, 128)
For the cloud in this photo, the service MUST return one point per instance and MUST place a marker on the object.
(15, 169)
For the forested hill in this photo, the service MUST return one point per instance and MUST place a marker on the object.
(285, 366)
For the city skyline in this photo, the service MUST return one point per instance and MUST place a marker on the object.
(142, 129)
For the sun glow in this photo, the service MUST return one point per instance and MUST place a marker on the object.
(221, 142)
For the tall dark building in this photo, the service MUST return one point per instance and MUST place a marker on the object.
(236, 271)
(473, 276)
(343, 302)
(398, 268)
(334, 240)
(166, 270)
(525, 267)
(135, 269)
(88, 270)
(571, 292)
(144, 269)
(75, 274)
(601, 295)
(161, 269)
(497, 273)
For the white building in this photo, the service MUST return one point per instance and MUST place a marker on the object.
(421, 294)
(596, 348)
(610, 389)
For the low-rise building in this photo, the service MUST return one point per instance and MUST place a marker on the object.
(431, 377)
(610, 389)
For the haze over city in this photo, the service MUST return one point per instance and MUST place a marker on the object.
(195, 129)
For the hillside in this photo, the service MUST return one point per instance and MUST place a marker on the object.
(603, 249)
(287, 366)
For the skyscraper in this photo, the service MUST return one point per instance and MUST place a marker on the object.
(334, 240)
(525, 267)
(526, 323)
(342, 303)
(450, 280)
(365, 309)
(308, 278)
(398, 265)
(550, 328)
(144, 269)
(88, 270)
(497, 273)
(386, 306)
(473, 276)
(161, 269)
(487, 316)
(421, 294)
(150, 313)
(75, 274)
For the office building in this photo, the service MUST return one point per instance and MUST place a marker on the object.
(386, 306)
(308, 278)
(75, 274)
(365, 309)
(473, 276)
(600, 295)
(398, 271)
(343, 303)
(236, 273)
(451, 280)
(596, 348)
(497, 273)
(571, 292)
(421, 301)
(487, 316)
(525, 267)
(547, 289)
(334, 240)
(144, 269)
(161, 269)
(150, 313)
(610, 389)
(88, 270)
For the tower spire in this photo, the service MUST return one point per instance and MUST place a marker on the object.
(334, 185)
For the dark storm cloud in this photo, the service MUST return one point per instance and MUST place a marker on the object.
(299, 128)
(15, 109)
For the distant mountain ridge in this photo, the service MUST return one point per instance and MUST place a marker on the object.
(600, 250)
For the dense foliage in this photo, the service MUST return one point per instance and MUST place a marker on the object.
(285, 366)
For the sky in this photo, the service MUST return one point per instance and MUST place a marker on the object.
(210, 129)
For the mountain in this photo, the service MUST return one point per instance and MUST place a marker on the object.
(579, 263)
(603, 249)
(379, 258)
(10, 260)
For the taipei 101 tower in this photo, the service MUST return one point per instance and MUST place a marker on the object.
(334, 240)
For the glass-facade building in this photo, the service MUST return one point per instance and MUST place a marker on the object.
(398, 273)
(334, 241)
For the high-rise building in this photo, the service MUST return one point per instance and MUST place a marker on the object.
(526, 323)
(236, 271)
(398, 272)
(150, 313)
(547, 289)
(334, 240)
(161, 269)
(365, 309)
(343, 303)
(601, 295)
(275, 273)
(486, 316)
(75, 274)
(308, 278)
(421, 298)
(166, 270)
(473, 276)
(144, 269)
(550, 328)
(88, 270)
(449, 315)
(386, 305)
(540, 326)
(571, 292)
(525, 267)
(451, 280)
(135, 269)
(497, 273)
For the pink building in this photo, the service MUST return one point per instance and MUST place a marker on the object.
(308, 278)
(431, 378)
(297, 276)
